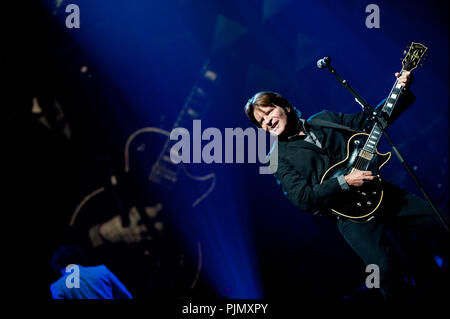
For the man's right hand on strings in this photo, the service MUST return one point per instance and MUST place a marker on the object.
(358, 178)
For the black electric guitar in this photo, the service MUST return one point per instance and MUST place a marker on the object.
(361, 203)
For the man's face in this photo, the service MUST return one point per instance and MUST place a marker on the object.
(273, 119)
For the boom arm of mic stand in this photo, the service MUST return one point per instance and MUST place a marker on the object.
(358, 97)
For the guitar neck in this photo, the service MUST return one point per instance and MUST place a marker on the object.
(415, 54)
(389, 105)
(164, 171)
(194, 108)
(393, 97)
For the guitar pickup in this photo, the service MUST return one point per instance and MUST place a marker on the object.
(163, 176)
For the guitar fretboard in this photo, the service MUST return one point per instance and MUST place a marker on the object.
(392, 99)
(370, 146)
(388, 107)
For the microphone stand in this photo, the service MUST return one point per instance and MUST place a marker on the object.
(373, 115)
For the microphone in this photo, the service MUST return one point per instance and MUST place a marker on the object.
(323, 63)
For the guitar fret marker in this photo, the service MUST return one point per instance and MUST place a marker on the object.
(394, 95)
(398, 86)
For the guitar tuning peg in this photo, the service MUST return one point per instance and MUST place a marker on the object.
(404, 52)
(421, 65)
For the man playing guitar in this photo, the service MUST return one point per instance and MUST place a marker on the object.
(307, 150)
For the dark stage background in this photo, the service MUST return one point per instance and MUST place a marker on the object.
(74, 96)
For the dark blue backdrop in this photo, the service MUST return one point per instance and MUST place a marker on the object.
(144, 56)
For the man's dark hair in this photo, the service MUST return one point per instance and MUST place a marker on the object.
(267, 98)
(66, 255)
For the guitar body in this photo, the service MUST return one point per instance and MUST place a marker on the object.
(358, 203)
(158, 179)
(151, 179)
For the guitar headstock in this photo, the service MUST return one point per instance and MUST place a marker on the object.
(413, 56)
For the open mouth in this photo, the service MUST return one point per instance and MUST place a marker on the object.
(274, 125)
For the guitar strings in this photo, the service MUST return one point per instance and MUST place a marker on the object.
(361, 162)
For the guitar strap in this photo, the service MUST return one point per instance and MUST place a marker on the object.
(323, 123)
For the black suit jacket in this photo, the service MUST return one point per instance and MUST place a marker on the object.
(302, 164)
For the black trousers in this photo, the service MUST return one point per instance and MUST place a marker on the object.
(402, 211)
